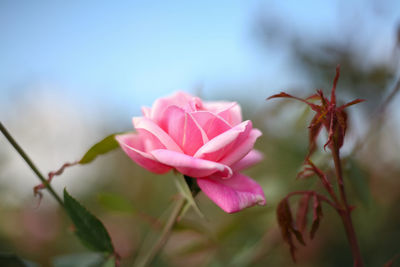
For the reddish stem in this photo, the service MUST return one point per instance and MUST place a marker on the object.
(345, 213)
(325, 182)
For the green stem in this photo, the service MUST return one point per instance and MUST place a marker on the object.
(22, 153)
(146, 261)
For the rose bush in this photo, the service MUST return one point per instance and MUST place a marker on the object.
(207, 141)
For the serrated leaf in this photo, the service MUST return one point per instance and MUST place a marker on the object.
(298, 235)
(185, 191)
(114, 202)
(313, 131)
(317, 215)
(285, 95)
(287, 213)
(89, 229)
(341, 117)
(302, 210)
(356, 101)
(106, 145)
(285, 221)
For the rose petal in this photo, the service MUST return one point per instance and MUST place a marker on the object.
(132, 145)
(252, 158)
(191, 166)
(183, 129)
(142, 123)
(221, 145)
(179, 99)
(241, 148)
(229, 111)
(212, 124)
(146, 111)
(234, 194)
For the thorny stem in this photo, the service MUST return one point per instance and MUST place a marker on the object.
(345, 213)
(22, 153)
(146, 261)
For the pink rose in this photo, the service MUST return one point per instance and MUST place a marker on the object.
(204, 140)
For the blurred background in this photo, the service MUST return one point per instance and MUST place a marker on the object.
(73, 72)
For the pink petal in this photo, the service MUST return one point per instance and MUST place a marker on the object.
(234, 194)
(252, 158)
(132, 145)
(146, 111)
(221, 145)
(146, 124)
(211, 123)
(191, 166)
(179, 99)
(241, 148)
(183, 129)
(229, 111)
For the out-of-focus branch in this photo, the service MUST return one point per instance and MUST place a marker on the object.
(377, 117)
(149, 257)
(22, 153)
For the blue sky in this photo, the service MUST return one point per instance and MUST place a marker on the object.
(127, 53)
(132, 48)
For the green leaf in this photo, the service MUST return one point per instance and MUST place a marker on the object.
(187, 194)
(89, 229)
(114, 202)
(106, 145)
